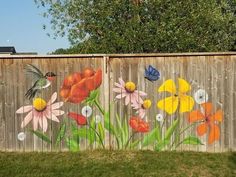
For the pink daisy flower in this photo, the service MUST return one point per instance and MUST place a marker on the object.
(142, 107)
(128, 91)
(40, 111)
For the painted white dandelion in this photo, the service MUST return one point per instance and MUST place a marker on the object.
(201, 96)
(21, 136)
(159, 117)
(87, 111)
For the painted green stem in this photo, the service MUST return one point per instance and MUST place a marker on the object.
(97, 135)
(179, 144)
(103, 113)
(186, 128)
(127, 143)
(99, 107)
(182, 131)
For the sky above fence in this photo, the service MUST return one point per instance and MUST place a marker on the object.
(22, 27)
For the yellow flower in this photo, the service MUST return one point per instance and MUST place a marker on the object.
(170, 104)
(147, 104)
(39, 104)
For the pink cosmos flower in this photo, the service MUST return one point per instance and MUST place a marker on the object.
(128, 91)
(40, 111)
(142, 107)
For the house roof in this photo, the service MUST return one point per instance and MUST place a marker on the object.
(11, 50)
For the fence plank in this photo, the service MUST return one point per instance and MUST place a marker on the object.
(214, 73)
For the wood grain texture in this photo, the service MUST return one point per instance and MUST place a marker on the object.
(213, 72)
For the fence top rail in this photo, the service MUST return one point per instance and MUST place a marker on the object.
(119, 55)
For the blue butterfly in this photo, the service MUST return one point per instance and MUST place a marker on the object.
(151, 73)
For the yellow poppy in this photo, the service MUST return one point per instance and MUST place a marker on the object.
(170, 104)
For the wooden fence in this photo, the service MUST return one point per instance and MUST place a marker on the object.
(182, 102)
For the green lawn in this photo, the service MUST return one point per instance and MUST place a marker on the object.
(117, 163)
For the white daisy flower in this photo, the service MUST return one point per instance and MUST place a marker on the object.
(21, 136)
(87, 111)
(200, 96)
(159, 117)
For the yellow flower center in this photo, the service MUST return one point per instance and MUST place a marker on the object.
(147, 104)
(39, 104)
(130, 86)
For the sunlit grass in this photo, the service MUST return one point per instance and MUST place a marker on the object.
(117, 163)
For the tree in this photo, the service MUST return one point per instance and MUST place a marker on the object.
(140, 26)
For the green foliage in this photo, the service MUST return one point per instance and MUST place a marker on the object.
(92, 97)
(171, 129)
(61, 134)
(151, 137)
(161, 145)
(121, 132)
(41, 135)
(123, 26)
(192, 140)
(72, 145)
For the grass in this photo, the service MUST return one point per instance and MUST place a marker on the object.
(117, 163)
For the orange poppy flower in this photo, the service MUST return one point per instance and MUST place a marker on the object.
(77, 86)
(209, 121)
(138, 124)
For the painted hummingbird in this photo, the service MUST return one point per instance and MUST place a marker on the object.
(41, 81)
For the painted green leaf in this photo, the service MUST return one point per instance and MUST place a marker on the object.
(41, 135)
(101, 131)
(126, 129)
(119, 130)
(162, 145)
(72, 145)
(192, 140)
(134, 144)
(85, 133)
(61, 134)
(107, 124)
(171, 129)
(151, 137)
(92, 97)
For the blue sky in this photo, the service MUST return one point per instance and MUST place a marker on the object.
(21, 25)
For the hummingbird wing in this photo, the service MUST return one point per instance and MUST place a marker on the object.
(32, 70)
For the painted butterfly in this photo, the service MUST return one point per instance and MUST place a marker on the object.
(151, 74)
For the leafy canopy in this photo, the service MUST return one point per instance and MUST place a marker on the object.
(135, 26)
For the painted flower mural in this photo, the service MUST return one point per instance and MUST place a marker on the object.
(208, 121)
(178, 97)
(159, 117)
(40, 111)
(80, 119)
(142, 107)
(200, 96)
(138, 125)
(77, 86)
(128, 91)
(91, 121)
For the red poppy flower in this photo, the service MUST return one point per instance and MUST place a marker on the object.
(209, 121)
(138, 124)
(77, 86)
(80, 119)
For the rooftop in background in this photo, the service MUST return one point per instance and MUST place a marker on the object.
(7, 50)
(12, 51)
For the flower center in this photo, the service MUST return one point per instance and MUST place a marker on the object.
(207, 119)
(39, 104)
(130, 87)
(146, 104)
